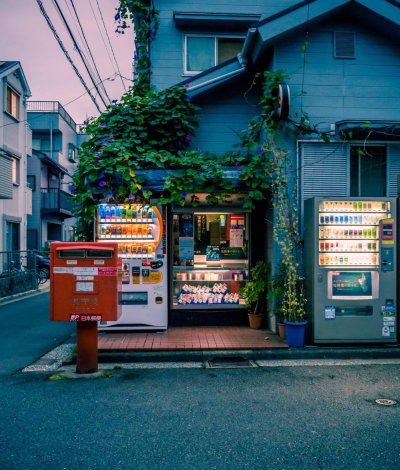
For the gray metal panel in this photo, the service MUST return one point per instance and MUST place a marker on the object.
(394, 168)
(6, 186)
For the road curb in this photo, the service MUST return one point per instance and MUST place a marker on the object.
(23, 295)
(266, 354)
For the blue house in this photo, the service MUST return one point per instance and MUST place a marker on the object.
(348, 76)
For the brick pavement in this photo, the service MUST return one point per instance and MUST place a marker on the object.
(191, 338)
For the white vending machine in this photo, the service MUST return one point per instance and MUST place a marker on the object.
(141, 235)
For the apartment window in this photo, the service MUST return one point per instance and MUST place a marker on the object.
(15, 170)
(368, 171)
(204, 52)
(71, 152)
(30, 179)
(12, 103)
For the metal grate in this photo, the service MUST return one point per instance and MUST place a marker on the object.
(344, 45)
(230, 363)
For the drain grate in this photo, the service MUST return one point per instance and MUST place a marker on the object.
(230, 363)
(385, 402)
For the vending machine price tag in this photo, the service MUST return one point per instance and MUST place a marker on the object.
(140, 220)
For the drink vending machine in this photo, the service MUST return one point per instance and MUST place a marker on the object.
(350, 255)
(141, 235)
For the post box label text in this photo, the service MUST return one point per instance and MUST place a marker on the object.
(62, 270)
(108, 271)
(84, 286)
(79, 317)
(85, 271)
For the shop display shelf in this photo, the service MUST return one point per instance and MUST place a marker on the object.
(348, 252)
(125, 238)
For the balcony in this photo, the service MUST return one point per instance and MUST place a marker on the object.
(56, 201)
(53, 107)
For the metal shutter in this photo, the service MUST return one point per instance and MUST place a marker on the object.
(6, 186)
(394, 168)
(324, 171)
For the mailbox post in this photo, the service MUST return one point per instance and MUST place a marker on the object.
(84, 288)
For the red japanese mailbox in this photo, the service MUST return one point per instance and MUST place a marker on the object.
(85, 288)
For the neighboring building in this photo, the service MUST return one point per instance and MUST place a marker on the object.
(350, 75)
(15, 146)
(55, 141)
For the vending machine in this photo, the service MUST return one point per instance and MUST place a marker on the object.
(141, 235)
(350, 255)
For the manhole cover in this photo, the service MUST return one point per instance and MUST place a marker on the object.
(230, 363)
(385, 402)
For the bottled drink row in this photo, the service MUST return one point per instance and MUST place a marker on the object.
(359, 206)
(348, 246)
(107, 212)
(348, 232)
(325, 219)
(126, 230)
(345, 259)
(139, 250)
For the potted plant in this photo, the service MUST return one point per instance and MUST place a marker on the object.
(255, 294)
(293, 308)
(276, 293)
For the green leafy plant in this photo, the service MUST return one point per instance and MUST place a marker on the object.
(255, 291)
(276, 288)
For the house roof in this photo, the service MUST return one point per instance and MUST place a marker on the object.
(49, 161)
(9, 66)
(383, 15)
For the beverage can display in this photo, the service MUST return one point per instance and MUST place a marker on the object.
(128, 212)
(336, 219)
(139, 250)
(112, 212)
(326, 246)
(108, 213)
(364, 206)
(134, 212)
(123, 212)
(365, 233)
(341, 219)
(369, 233)
(327, 219)
(129, 229)
(321, 219)
(369, 246)
(113, 230)
(144, 213)
(346, 233)
(369, 206)
(360, 247)
(332, 247)
(350, 219)
(346, 260)
(139, 230)
(144, 230)
(360, 233)
(150, 249)
(374, 233)
(336, 259)
(103, 230)
(123, 230)
(356, 219)
(359, 204)
(134, 248)
(326, 259)
(139, 212)
(108, 230)
(134, 230)
(374, 259)
(374, 246)
(384, 206)
(102, 212)
(346, 219)
(150, 213)
(118, 212)
(331, 219)
(354, 205)
(350, 233)
(341, 260)
(321, 259)
(144, 249)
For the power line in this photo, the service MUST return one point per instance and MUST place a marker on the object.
(108, 37)
(79, 50)
(88, 48)
(43, 11)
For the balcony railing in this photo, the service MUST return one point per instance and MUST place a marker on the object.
(53, 107)
(56, 201)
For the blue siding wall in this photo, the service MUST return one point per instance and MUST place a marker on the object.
(167, 54)
(367, 87)
(223, 115)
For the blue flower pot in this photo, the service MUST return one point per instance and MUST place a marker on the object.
(295, 333)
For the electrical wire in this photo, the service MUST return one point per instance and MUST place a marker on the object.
(46, 16)
(88, 48)
(79, 51)
(108, 37)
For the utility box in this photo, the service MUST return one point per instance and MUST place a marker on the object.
(84, 282)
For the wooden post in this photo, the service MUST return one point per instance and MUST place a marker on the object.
(86, 347)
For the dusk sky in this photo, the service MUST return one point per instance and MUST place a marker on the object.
(26, 37)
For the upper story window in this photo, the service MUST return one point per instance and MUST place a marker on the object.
(71, 152)
(15, 170)
(12, 103)
(368, 171)
(204, 52)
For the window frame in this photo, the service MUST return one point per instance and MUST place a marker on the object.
(375, 144)
(18, 96)
(34, 182)
(17, 171)
(215, 37)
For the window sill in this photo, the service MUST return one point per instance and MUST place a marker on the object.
(15, 184)
(11, 116)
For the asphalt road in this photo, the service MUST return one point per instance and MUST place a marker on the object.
(26, 332)
(268, 418)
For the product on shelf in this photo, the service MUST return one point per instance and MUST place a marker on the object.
(348, 259)
(356, 206)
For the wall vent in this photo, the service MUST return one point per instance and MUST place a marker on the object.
(344, 45)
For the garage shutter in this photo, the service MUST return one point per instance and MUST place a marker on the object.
(394, 168)
(324, 171)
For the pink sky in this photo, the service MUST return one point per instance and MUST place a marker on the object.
(26, 37)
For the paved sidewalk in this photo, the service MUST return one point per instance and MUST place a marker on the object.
(192, 339)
